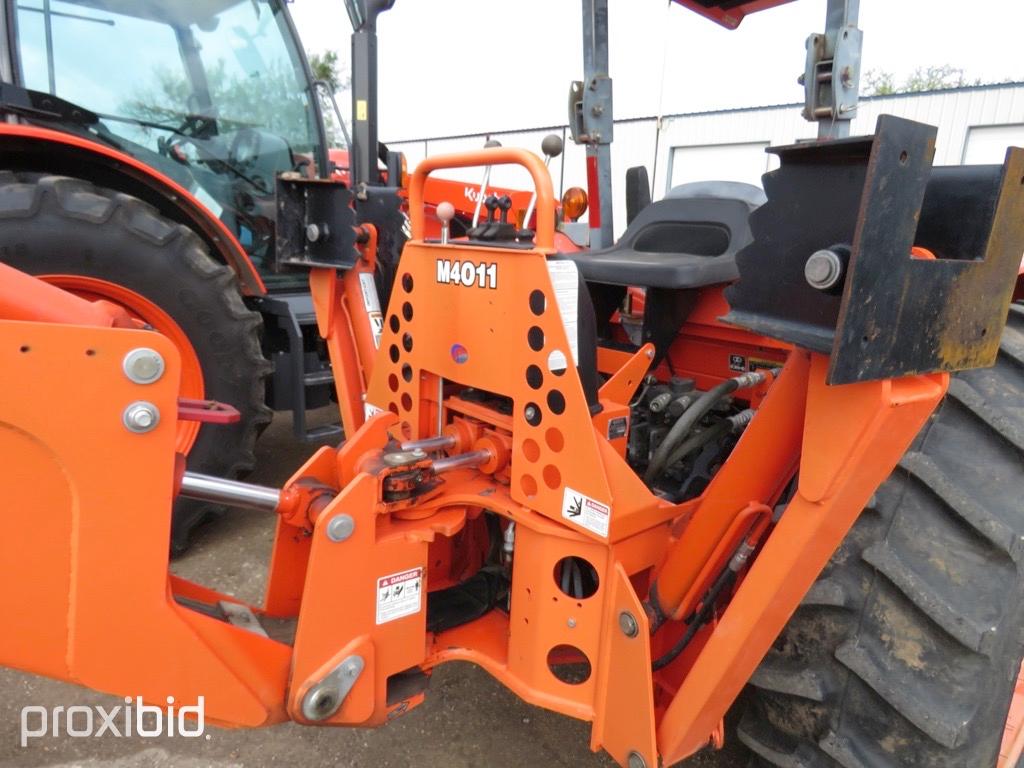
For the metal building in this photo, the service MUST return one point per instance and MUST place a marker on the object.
(975, 123)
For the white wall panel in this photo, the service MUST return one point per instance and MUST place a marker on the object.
(962, 117)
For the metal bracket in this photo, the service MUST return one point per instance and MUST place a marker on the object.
(831, 77)
(315, 223)
(875, 198)
(326, 697)
(591, 112)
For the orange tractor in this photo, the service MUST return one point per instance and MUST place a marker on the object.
(150, 135)
(796, 473)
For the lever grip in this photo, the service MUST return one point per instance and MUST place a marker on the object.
(495, 156)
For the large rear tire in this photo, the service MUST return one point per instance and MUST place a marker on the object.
(105, 244)
(906, 649)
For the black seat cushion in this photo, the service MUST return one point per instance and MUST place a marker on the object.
(687, 240)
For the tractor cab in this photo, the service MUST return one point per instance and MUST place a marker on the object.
(215, 94)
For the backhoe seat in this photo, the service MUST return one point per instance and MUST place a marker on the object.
(686, 240)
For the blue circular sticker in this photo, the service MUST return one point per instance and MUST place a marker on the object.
(459, 353)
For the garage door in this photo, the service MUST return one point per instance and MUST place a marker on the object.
(988, 143)
(721, 162)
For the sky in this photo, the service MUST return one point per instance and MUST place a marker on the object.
(451, 67)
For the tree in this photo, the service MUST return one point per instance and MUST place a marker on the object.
(328, 69)
(932, 78)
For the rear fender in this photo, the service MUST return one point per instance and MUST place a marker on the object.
(29, 148)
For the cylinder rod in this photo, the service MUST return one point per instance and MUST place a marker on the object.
(229, 492)
(461, 461)
(439, 443)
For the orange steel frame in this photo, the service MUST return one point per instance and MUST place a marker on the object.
(87, 579)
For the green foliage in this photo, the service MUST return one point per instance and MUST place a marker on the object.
(879, 83)
(932, 78)
(326, 67)
(272, 101)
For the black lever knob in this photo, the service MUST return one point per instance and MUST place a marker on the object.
(505, 204)
(491, 203)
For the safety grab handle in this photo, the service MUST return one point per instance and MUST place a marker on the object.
(492, 156)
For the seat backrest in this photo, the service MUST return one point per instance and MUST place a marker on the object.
(704, 218)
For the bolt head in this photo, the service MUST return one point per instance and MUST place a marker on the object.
(628, 624)
(320, 703)
(530, 413)
(636, 760)
(340, 527)
(823, 269)
(572, 623)
(141, 417)
(312, 232)
(143, 365)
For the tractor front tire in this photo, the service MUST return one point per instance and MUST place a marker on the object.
(906, 650)
(60, 226)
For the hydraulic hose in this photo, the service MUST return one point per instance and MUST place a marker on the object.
(698, 441)
(736, 423)
(689, 418)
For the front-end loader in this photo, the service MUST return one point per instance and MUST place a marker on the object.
(792, 478)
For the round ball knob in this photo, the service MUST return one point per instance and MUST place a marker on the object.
(552, 145)
(492, 143)
(445, 211)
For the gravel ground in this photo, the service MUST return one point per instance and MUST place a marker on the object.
(468, 719)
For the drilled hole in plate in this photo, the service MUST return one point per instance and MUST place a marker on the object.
(395, 323)
(393, 353)
(554, 439)
(531, 450)
(406, 401)
(528, 484)
(92, 352)
(532, 414)
(407, 342)
(576, 577)
(393, 382)
(538, 302)
(569, 664)
(407, 283)
(393, 407)
(535, 338)
(407, 372)
(407, 311)
(556, 401)
(904, 157)
(552, 477)
(534, 377)
(557, 362)
(25, 348)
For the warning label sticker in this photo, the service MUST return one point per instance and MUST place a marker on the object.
(398, 595)
(372, 304)
(585, 511)
(565, 279)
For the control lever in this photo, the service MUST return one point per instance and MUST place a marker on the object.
(445, 213)
(492, 206)
(551, 146)
(491, 143)
(504, 205)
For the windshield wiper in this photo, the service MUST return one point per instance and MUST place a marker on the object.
(37, 105)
